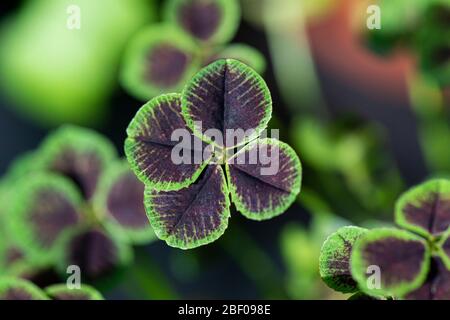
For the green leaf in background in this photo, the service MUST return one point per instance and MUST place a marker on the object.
(159, 59)
(45, 207)
(79, 154)
(425, 209)
(100, 255)
(241, 52)
(18, 289)
(209, 21)
(62, 292)
(119, 204)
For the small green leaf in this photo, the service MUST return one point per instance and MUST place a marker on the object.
(45, 207)
(18, 289)
(243, 53)
(120, 204)
(159, 59)
(425, 209)
(192, 216)
(264, 178)
(99, 254)
(400, 261)
(334, 261)
(212, 21)
(62, 292)
(149, 147)
(79, 154)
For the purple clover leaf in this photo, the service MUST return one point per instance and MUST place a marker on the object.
(188, 203)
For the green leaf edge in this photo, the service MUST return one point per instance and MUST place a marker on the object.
(357, 263)
(231, 16)
(328, 247)
(85, 289)
(132, 129)
(296, 187)
(81, 139)
(249, 55)
(131, 70)
(172, 240)
(409, 196)
(21, 230)
(113, 172)
(124, 249)
(245, 69)
(440, 251)
(7, 283)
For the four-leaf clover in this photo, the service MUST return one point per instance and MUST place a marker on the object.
(188, 204)
(73, 202)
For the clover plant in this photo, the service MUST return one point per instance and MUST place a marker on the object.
(162, 57)
(73, 202)
(188, 203)
(19, 289)
(413, 262)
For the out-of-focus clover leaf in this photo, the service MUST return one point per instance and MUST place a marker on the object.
(79, 154)
(62, 292)
(99, 254)
(73, 202)
(45, 206)
(159, 59)
(162, 57)
(425, 209)
(19, 289)
(188, 204)
(120, 204)
(242, 52)
(388, 262)
(210, 21)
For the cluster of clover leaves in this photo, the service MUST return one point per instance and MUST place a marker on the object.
(163, 57)
(188, 204)
(426, 29)
(72, 201)
(20, 289)
(409, 263)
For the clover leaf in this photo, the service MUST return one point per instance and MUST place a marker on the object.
(12, 288)
(188, 203)
(211, 21)
(75, 203)
(426, 208)
(412, 263)
(62, 292)
(334, 261)
(18, 289)
(161, 58)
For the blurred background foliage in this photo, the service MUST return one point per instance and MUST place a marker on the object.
(366, 110)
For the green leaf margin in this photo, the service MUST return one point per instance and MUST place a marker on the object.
(296, 187)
